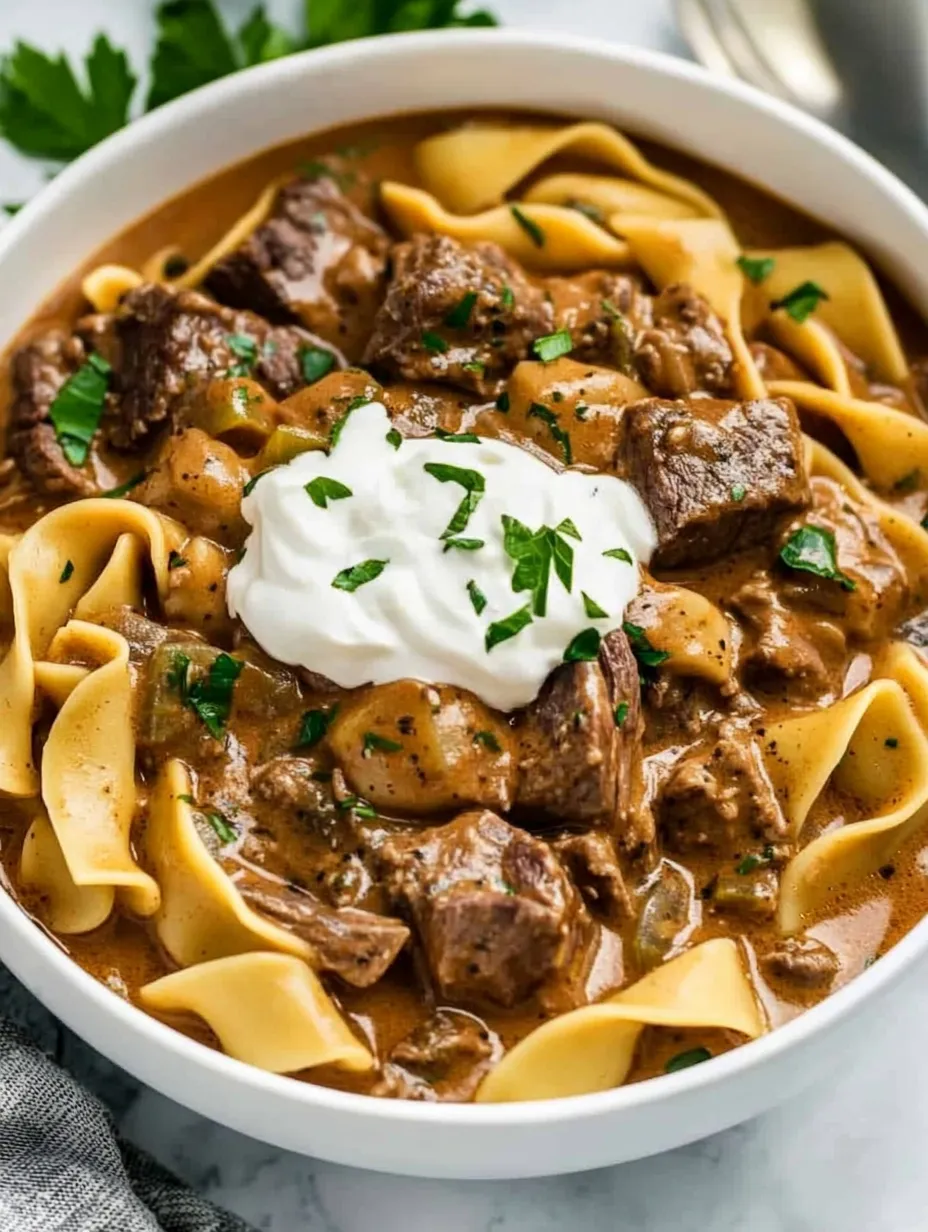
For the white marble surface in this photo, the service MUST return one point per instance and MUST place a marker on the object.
(849, 1158)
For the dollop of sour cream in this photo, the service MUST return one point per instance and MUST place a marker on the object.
(363, 564)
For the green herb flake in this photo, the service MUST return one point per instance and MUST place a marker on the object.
(225, 831)
(187, 798)
(567, 527)
(683, 1060)
(506, 298)
(394, 438)
(359, 575)
(529, 226)
(547, 416)
(373, 743)
(315, 363)
(488, 740)
(580, 411)
(123, 489)
(610, 310)
(175, 560)
(812, 549)
(78, 406)
(67, 571)
(457, 438)
(553, 346)
(477, 597)
(245, 349)
(641, 646)
(592, 608)
(619, 554)
(323, 489)
(474, 486)
(434, 342)
(754, 860)
(738, 492)
(584, 647)
(210, 696)
(756, 269)
(502, 402)
(620, 714)
(252, 482)
(459, 315)
(464, 545)
(503, 630)
(802, 301)
(313, 727)
(356, 805)
(339, 426)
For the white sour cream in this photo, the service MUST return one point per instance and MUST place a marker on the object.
(417, 618)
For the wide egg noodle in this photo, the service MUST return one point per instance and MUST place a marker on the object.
(592, 1049)
(268, 1010)
(65, 908)
(474, 166)
(812, 345)
(614, 198)
(570, 240)
(202, 916)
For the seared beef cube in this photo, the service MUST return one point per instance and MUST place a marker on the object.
(800, 963)
(685, 348)
(604, 313)
(593, 863)
(443, 1059)
(171, 344)
(720, 798)
(38, 372)
(358, 946)
(495, 912)
(455, 312)
(716, 476)
(317, 261)
(579, 752)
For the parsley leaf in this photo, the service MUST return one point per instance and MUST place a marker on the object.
(394, 438)
(313, 726)
(123, 488)
(209, 697)
(756, 269)
(584, 647)
(620, 554)
(46, 113)
(546, 415)
(474, 486)
(357, 575)
(175, 560)
(225, 831)
(323, 489)
(592, 608)
(459, 315)
(315, 363)
(78, 406)
(553, 346)
(567, 527)
(620, 714)
(477, 597)
(378, 744)
(466, 545)
(641, 646)
(356, 805)
(488, 740)
(434, 342)
(67, 571)
(683, 1060)
(459, 438)
(529, 226)
(812, 549)
(334, 21)
(503, 630)
(802, 301)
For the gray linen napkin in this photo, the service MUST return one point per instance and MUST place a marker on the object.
(63, 1167)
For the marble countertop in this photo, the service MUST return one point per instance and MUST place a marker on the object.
(849, 1158)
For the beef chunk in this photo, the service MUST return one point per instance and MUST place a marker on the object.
(604, 313)
(575, 763)
(684, 349)
(443, 1058)
(421, 332)
(775, 365)
(716, 476)
(358, 946)
(170, 344)
(38, 372)
(289, 783)
(593, 864)
(494, 910)
(720, 798)
(317, 261)
(801, 963)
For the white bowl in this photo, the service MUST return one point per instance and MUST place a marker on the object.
(720, 120)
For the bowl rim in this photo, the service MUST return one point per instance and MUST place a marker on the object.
(168, 1041)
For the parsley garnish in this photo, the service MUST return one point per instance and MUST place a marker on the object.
(434, 342)
(683, 1060)
(503, 630)
(567, 527)
(67, 571)
(245, 349)
(619, 554)
(459, 438)
(802, 301)
(315, 363)
(250, 485)
(459, 315)
(210, 697)
(754, 860)
(175, 560)
(313, 726)
(553, 346)
(339, 426)
(323, 489)
(121, 489)
(357, 805)
(378, 744)
(756, 269)
(580, 411)
(641, 646)
(529, 226)
(592, 608)
(502, 402)
(394, 438)
(812, 549)
(477, 597)
(226, 832)
(488, 740)
(466, 545)
(506, 297)
(738, 492)
(474, 486)
(78, 406)
(357, 575)
(534, 553)
(584, 647)
(474, 365)
(620, 714)
(546, 415)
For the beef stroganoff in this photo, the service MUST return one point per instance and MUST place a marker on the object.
(463, 608)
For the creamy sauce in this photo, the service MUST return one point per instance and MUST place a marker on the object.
(418, 618)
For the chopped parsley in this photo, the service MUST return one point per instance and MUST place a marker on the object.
(502, 402)
(488, 740)
(506, 297)
(580, 411)
(225, 831)
(592, 608)
(567, 527)
(534, 552)
(458, 438)
(394, 438)
(313, 726)
(584, 647)
(339, 426)
(756, 269)
(474, 486)
(619, 554)
(356, 805)
(358, 575)
(477, 597)
(250, 485)
(78, 406)
(738, 492)
(754, 860)
(245, 349)
(434, 342)
(378, 744)
(67, 571)
(121, 489)
(474, 365)
(802, 301)
(315, 363)
(812, 549)
(459, 315)
(683, 1060)
(209, 697)
(620, 714)
(553, 346)
(503, 630)
(547, 416)
(175, 560)
(641, 646)
(465, 545)
(529, 226)
(323, 489)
